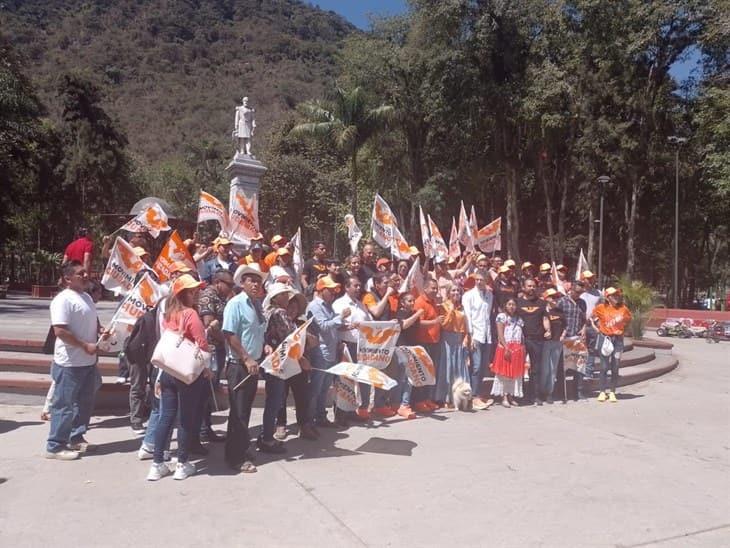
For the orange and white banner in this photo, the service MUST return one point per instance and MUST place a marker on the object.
(143, 297)
(414, 279)
(454, 249)
(347, 391)
(438, 244)
(489, 238)
(382, 222)
(400, 248)
(425, 235)
(173, 250)
(575, 354)
(419, 365)
(211, 208)
(473, 230)
(284, 361)
(464, 233)
(152, 219)
(362, 373)
(354, 234)
(297, 257)
(376, 343)
(560, 286)
(243, 217)
(121, 268)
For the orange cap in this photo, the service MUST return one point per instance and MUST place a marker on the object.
(612, 291)
(544, 267)
(179, 266)
(278, 239)
(325, 282)
(283, 251)
(186, 281)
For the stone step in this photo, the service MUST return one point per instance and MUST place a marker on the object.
(41, 363)
(32, 346)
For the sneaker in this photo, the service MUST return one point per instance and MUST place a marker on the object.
(81, 445)
(384, 412)
(121, 380)
(63, 454)
(183, 470)
(479, 404)
(280, 433)
(406, 412)
(158, 471)
(138, 429)
(145, 454)
(612, 397)
(601, 397)
(422, 407)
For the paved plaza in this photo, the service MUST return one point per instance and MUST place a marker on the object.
(652, 470)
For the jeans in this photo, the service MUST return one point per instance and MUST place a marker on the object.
(480, 356)
(218, 356)
(185, 397)
(71, 404)
(551, 352)
(534, 349)
(453, 365)
(591, 336)
(138, 386)
(319, 383)
(275, 388)
(611, 361)
(240, 400)
(299, 385)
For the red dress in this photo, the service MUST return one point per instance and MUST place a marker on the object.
(514, 367)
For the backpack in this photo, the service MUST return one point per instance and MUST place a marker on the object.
(141, 343)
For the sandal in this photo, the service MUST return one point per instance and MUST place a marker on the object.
(248, 467)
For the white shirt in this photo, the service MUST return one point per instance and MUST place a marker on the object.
(358, 313)
(77, 313)
(477, 311)
(591, 300)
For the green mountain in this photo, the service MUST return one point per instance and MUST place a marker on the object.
(174, 70)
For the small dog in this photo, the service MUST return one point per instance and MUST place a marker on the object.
(461, 392)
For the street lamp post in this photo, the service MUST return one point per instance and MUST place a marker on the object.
(602, 182)
(677, 142)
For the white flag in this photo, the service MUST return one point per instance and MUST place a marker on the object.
(243, 219)
(425, 235)
(473, 230)
(121, 268)
(437, 241)
(363, 373)
(382, 222)
(376, 342)
(464, 232)
(454, 249)
(297, 256)
(354, 234)
(152, 219)
(211, 208)
(347, 391)
(400, 248)
(414, 278)
(582, 265)
(284, 361)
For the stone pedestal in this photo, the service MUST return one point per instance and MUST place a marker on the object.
(245, 172)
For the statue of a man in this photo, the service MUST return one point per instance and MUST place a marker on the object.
(245, 125)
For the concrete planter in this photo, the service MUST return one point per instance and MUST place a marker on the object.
(43, 291)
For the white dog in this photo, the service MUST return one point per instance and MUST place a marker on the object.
(461, 392)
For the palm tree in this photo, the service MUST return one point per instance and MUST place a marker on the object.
(345, 119)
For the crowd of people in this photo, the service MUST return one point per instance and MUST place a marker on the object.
(476, 316)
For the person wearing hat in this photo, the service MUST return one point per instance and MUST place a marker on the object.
(531, 309)
(545, 277)
(316, 266)
(527, 270)
(181, 317)
(222, 260)
(326, 325)
(283, 271)
(591, 297)
(177, 269)
(334, 271)
(504, 287)
(446, 277)
(244, 326)
(211, 304)
(554, 325)
(610, 319)
(277, 242)
(382, 264)
(574, 309)
(495, 263)
(255, 256)
(564, 281)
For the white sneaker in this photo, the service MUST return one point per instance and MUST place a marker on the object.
(158, 471)
(144, 454)
(63, 454)
(183, 470)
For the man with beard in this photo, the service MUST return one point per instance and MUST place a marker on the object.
(532, 311)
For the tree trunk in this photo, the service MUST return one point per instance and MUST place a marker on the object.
(631, 227)
(548, 205)
(513, 223)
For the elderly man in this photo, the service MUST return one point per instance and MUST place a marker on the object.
(326, 326)
(76, 326)
(243, 327)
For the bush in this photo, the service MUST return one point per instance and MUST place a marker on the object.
(639, 297)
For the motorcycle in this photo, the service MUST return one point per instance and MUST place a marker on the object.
(674, 328)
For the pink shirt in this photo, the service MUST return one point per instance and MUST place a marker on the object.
(191, 326)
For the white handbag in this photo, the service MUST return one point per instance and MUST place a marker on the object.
(606, 346)
(179, 357)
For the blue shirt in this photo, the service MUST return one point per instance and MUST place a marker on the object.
(326, 326)
(241, 318)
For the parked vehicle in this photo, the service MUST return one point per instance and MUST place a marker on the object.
(674, 327)
(718, 331)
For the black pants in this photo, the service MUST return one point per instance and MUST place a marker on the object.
(238, 438)
(534, 350)
(299, 385)
(138, 393)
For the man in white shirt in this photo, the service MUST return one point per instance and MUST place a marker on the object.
(477, 303)
(76, 325)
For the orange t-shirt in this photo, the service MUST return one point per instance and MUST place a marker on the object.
(270, 260)
(430, 334)
(454, 319)
(612, 320)
(248, 259)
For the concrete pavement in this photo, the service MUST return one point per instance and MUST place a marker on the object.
(652, 470)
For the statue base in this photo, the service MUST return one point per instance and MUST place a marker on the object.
(246, 171)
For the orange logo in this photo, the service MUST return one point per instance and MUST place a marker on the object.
(382, 215)
(153, 219)
(127, 256)
(378, 336)
(147, 293)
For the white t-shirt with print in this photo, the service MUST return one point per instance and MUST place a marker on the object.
(77, 312)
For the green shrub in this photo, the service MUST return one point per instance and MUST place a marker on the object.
(639, 297)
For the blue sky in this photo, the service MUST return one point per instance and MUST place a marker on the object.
(357, 12)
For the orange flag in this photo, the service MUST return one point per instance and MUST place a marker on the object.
(122, 268)
(174, 250)
(490, 236)
(454, 249)
(383, 222)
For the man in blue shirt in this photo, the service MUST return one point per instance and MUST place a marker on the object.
(326, 326)
(243, 327)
